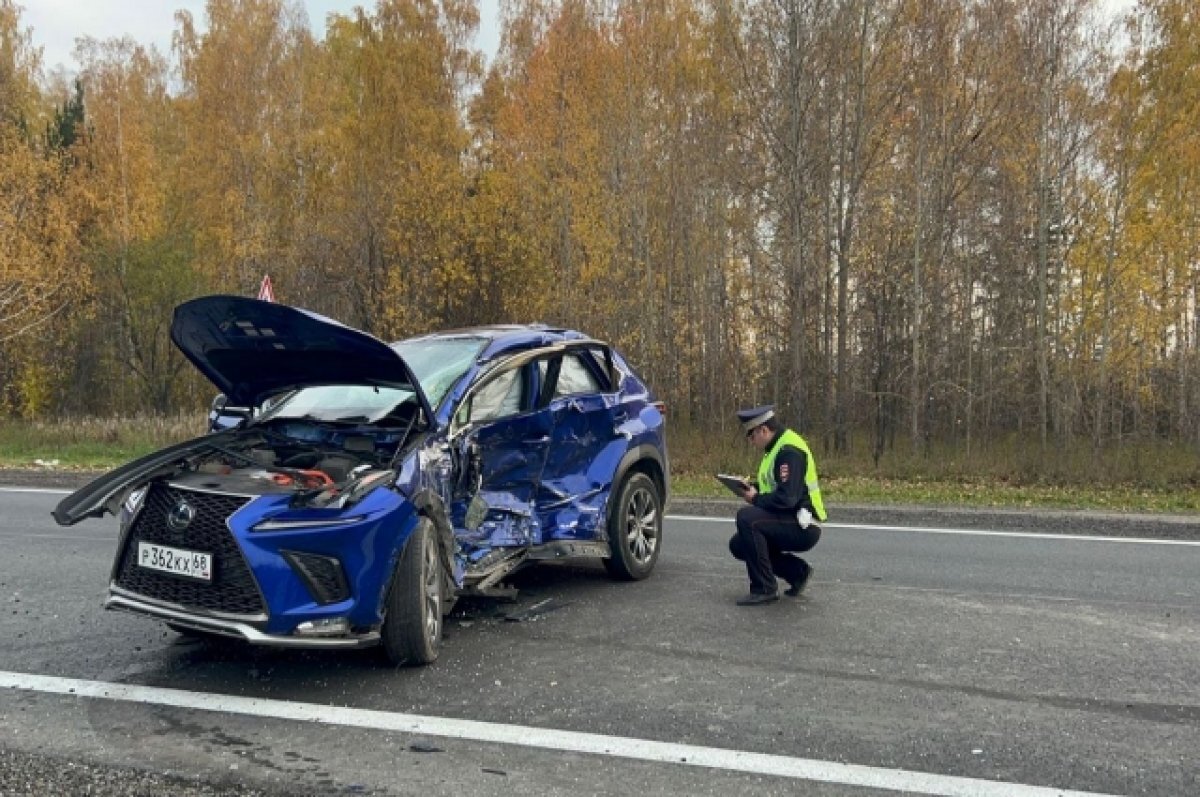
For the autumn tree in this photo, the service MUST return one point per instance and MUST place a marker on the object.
(241, 111)
(138, 246)
(39, 273)
(934, 225)
(1152, 270)
(394, 199)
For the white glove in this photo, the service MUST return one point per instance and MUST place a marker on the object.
(804, 517)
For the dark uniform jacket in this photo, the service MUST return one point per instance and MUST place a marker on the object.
(790, 493)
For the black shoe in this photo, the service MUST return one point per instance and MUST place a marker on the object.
(757, 598)
(799, 584)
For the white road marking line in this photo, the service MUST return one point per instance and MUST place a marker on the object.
(544, 739)
(1032, 535)
(1029, 535)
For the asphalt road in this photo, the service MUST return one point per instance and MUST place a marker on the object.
(980, 655)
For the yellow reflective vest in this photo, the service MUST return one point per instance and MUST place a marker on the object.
(766, 470)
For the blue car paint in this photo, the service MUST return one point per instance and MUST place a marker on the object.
(547, 475)
(387, 519)
(581, 512)
(513, 454)
(362, 547)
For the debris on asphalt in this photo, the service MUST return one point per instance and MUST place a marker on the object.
(424, 746)
(535, 611)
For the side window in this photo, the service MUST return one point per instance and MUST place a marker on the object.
(574, 378)
(499, 398)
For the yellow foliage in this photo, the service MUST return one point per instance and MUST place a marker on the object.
(34, 390)
(39, 271)
(734, 193)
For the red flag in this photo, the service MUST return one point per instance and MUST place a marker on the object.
(266, 292)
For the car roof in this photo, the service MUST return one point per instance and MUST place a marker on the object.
(506, 337)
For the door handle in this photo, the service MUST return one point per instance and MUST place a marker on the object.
(537, 440)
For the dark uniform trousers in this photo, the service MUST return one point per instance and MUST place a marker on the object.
(762, 541)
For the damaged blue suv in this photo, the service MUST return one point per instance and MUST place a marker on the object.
(366, 486)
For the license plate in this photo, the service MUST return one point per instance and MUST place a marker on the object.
(192, 564)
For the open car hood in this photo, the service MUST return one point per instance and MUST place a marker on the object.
(106, 492)
(252, 349)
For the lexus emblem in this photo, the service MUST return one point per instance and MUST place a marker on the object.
(181, 516)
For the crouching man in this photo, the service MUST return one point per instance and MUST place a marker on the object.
(784, 506)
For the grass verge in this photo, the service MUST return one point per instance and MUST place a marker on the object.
(1146, 478)
(868, 490)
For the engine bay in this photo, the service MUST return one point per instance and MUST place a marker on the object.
(318, 462)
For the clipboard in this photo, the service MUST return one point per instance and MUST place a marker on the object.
(736, 484)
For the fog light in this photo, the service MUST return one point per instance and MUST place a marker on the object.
(330, 626)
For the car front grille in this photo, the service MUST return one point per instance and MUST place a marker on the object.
(232, 589)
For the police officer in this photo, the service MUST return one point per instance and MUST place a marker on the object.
(784, 505)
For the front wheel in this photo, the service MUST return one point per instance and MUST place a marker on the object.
(412, 625)
(634, 529)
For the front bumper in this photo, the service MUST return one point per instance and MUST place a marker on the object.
(237, 628)
(309, 587)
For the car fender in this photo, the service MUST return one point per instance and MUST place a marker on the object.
(638, 454)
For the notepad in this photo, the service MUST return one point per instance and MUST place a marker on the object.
(736, 484)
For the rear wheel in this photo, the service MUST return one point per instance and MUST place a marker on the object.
(635, 529)
(412, 625)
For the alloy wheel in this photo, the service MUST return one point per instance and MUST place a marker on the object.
(641, 525)
(433, 593)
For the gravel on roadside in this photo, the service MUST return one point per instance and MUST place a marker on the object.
(32, 775)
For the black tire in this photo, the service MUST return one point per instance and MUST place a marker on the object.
(634, 529)
(412, 622)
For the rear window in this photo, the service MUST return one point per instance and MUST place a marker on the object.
(579, 374)
(575, 378)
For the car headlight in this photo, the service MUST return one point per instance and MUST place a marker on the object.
(299, 524)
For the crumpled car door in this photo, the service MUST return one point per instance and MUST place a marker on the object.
(586, 446)
(501, 457)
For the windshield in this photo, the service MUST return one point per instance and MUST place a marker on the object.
(439, 362)
(349, 403)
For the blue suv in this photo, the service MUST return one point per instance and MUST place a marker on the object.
(364, 486)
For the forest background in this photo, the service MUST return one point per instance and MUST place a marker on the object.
(953, 240)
